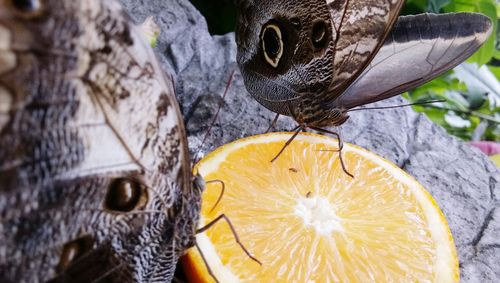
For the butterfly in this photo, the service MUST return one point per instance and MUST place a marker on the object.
(316, 60)
(95, 178)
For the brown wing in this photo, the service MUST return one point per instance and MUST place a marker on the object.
(93, 153)
(419, 49)
(359, 30)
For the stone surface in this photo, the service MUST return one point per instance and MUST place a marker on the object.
(463, 181)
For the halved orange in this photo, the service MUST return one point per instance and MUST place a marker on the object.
(308, 221)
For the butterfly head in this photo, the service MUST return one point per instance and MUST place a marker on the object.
(198, 183)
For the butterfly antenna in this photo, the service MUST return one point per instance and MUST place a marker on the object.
(338, 30)
(206, 262)
(221, 104)
(297, 130)
(398, 106)
(223, 189)
(273, 123)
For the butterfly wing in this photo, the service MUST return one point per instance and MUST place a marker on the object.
(418, 49)
(93, 152)
(317, 47)
(359, 29)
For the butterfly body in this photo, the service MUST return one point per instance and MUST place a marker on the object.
(95, 178)
(311, 114)
(315, 60)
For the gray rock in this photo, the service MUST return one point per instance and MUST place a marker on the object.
(462, 180)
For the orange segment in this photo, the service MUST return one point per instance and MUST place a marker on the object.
(307, 221)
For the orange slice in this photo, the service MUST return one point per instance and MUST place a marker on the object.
(307, 221)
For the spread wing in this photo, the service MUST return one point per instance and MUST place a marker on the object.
(418, 49)
(93, 153)
(359, 29)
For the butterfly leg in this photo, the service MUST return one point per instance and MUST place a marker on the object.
(223, 188)
(224, 217)
(273, 123)
(206, 262)
(297, 130)
(341, 146)
(214, 119)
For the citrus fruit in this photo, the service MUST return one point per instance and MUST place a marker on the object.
(307, 221)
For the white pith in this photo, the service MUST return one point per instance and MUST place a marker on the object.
(317, 212)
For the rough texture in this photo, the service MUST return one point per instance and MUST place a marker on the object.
(463, 180)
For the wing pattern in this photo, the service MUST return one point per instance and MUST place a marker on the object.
(85, 109)
(359, 29)
(418, 49)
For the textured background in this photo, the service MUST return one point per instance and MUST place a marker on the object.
(463, 181)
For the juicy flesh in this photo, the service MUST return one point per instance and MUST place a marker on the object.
(307, 221)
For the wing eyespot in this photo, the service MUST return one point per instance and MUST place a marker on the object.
(27, 9)
(125, 195)
(73, 250)
(319, 35)
(271, 41)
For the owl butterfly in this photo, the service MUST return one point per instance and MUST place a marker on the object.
(95, 179)
(315, 60)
